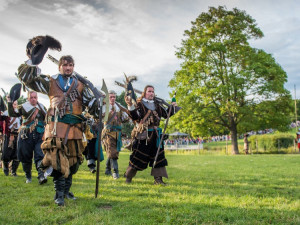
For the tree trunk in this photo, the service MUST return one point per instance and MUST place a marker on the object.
(234, 140)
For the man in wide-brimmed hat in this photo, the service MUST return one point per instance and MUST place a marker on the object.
(63, 135)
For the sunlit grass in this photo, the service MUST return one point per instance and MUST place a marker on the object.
(202, 189)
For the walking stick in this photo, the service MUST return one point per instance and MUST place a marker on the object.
(99, 136)
(164, 132)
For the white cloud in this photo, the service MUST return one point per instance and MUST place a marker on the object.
(107, 38)
(5, 3)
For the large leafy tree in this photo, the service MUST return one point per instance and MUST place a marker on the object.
(224, 83)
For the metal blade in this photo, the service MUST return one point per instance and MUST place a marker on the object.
(105, 90)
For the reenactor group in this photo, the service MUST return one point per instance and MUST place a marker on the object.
(57, 138)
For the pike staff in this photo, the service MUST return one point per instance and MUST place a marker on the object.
(164, 132)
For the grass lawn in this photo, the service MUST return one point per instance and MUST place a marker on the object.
(203, 189)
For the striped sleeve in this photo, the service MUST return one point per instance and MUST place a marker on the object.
(90, 102)
(30, 76)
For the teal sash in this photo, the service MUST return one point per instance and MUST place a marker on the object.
(96, 150)
(159, 132)
(40, 127)
(70, 119)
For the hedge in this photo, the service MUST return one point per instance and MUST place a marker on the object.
(271, 142)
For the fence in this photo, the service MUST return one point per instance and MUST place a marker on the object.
(196, 149)
(226, 149)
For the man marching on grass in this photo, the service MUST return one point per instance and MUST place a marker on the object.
(10, 129)
(63, 136)
(30, 135)
(111, 134)
(147, 115)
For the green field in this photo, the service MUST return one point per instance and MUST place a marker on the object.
(203, 189)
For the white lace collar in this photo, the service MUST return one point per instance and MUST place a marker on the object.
(27, 106)
(147, 100)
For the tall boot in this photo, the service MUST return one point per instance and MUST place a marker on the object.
(14, 167)
(68, 184)
(41, 177)
(59, 186)
(5, 168)
(27, 169)
(159, 180)
(108, 167)
(92, 165)
(114, 163)
(158, 174)
(129, 174)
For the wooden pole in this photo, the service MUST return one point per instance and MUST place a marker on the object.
(226, 145)
(256, 146)
(295, 107)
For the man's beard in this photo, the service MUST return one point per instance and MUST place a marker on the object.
(67, 75)
(150, 98)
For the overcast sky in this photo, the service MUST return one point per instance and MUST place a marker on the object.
(110, 37)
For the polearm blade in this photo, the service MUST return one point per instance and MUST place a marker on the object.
(2, 105)
(124, 86)
(105, 90)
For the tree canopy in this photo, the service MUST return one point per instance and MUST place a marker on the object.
(224, 84)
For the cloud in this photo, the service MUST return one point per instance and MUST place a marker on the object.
(4, 4)
(109, 37)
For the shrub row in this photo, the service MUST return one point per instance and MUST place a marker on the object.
(271, 142)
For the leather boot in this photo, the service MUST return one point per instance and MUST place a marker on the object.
(114, 163)
(68, 184)
(27, 169)
(5, 168)
(42, 179)
(159, 180)
(92, 168)
(108, 167)
(129, 174)
(59, 186)
(14, 167)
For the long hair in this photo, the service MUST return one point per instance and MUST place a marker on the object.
(144, 92)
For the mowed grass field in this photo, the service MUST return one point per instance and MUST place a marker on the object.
(202, 189)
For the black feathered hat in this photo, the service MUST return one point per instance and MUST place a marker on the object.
(38, 46)
(15, 92)
(2, 105)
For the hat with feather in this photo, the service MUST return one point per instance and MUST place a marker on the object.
(15, 92)
(37, 47)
